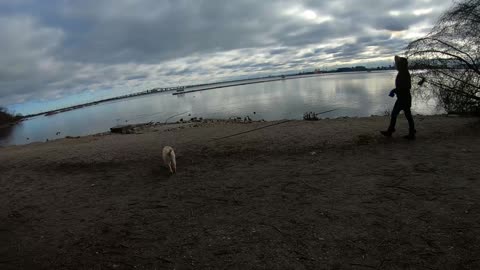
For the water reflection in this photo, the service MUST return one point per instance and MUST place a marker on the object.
(360, 94)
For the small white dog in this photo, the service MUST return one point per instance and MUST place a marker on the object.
(169, 159)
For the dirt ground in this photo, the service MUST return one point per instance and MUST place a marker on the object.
(330, 194)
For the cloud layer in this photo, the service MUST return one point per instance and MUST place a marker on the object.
(60, 48)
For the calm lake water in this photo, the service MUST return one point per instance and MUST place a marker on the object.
(353, 94)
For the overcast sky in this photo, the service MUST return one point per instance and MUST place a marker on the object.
(73, 50)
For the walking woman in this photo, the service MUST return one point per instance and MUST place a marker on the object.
(403, 84)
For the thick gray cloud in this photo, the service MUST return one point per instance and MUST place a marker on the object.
(62, 47)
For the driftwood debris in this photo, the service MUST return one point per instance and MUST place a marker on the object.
(128, 129)
(123, 129)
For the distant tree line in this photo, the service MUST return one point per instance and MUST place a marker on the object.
(346, 69)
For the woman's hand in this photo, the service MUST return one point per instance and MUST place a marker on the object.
(392, 93)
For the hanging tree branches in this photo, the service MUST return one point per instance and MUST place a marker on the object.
(448, 58)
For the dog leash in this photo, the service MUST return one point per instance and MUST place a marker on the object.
(267, 126)
(248, 131)
(174, 116)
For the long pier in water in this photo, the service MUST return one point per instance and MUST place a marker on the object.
(246, 82)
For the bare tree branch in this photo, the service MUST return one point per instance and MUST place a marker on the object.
(448, 57)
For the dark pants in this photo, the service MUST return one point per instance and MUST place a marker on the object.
(402, 104)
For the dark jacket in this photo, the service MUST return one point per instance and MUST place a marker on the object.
(403, 84)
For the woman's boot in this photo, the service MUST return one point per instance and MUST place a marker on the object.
(388, 132)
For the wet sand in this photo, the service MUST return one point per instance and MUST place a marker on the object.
(329, 194)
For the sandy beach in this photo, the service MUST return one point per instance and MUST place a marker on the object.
(328, 194)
